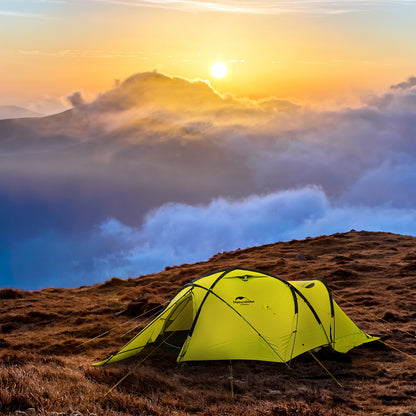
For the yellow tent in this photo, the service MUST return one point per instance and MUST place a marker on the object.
(244, 314)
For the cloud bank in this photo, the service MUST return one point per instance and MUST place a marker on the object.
(162, 170)
(178, 233)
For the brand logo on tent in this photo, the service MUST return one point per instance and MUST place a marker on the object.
(242, 300)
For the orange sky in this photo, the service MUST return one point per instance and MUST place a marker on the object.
(310, 51)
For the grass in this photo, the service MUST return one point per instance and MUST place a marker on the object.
(45, 363)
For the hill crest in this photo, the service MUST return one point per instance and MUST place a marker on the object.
(46, 366)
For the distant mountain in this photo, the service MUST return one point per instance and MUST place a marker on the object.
(13, 111)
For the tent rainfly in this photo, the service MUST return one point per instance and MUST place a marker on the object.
(244, 314)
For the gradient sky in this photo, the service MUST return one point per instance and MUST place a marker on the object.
(303, 50)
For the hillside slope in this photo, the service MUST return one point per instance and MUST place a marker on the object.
(45, 365)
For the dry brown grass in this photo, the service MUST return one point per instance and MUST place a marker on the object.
(45, 365)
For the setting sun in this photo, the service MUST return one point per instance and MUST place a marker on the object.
(219, 70)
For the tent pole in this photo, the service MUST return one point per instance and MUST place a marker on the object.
(231, 379)
(242, 317)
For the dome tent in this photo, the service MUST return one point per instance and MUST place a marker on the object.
(244, 314)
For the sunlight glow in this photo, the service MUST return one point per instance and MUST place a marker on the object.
(219, 70)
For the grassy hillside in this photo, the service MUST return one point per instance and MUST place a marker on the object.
(45, 359)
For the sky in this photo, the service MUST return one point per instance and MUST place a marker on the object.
(139, 158)
(309, 50)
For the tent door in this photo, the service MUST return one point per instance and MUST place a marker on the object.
(178, 323)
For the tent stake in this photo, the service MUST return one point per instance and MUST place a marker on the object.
(316, 359)
(231, 379)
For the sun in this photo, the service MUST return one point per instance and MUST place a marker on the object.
(219, 70)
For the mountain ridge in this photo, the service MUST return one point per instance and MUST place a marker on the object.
(14, 111)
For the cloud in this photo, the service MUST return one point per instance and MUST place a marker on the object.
(19, 14)
(85, 53)
(181, 233)
(411, 82)
(161, 170)
(178, 233)
(178, 99)
(76, 99)
(257, 6)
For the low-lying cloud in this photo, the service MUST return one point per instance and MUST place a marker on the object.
(177, 233)
(162, 170)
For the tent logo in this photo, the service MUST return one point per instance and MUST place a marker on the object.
(242, 300)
